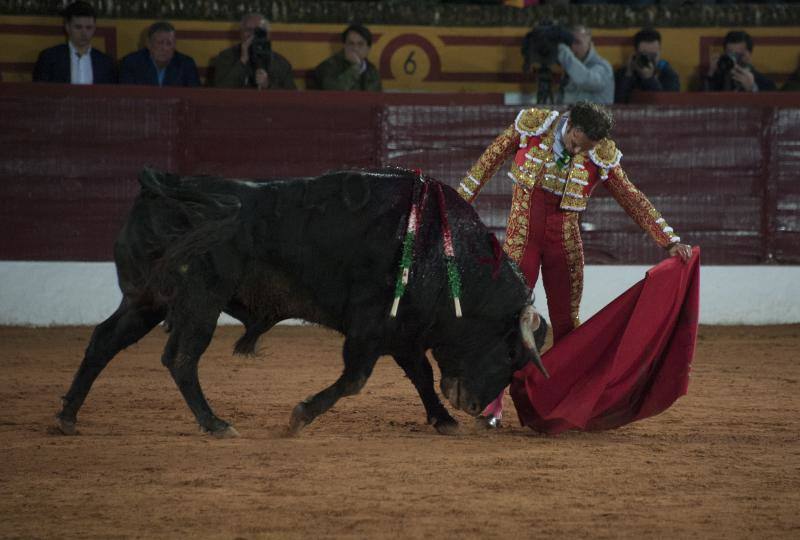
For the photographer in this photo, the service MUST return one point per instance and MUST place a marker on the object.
(253, 63)
(733, 71)
(587, 76)
(646, 71)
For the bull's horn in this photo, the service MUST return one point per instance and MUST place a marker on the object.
(528, 322)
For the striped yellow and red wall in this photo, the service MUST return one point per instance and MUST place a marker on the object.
(423, 58)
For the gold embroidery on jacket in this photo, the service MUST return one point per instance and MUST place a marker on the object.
(605, 155)
(639, 208)
(573, 246)
(517, 227)
(486, 166)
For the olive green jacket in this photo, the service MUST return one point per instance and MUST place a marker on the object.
(229, 72)
(336, 73)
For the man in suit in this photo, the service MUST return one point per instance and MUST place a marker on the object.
(159, 64)
(76, 61)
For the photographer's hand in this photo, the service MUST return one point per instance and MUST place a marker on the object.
(245, 56)
(745, 77)
(262, 79)
(631, 64)
(645, 72)
(712, 65)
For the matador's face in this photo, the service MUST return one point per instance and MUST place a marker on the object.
(576, 141)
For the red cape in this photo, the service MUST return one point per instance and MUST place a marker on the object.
(628, 362)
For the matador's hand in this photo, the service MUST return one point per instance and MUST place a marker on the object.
(683, 250)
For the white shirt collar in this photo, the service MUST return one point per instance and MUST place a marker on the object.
(80, 66)
(74, 52)
(561, 131)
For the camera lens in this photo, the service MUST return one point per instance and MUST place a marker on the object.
(726, 63)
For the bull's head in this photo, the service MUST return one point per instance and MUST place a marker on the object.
(473, 373)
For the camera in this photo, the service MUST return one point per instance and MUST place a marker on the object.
(643, 60)
(260, 51)
(725, 66)
(727, 61)
(540, 45)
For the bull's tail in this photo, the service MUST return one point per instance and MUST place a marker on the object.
(208, 220)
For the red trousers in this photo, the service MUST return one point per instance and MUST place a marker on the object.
(554, 245)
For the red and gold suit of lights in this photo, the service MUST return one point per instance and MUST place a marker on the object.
(543, 228)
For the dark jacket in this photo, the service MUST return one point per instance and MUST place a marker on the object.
(229, 72)
(665, 79)
(716, 83)
(53, 65)
(792, 84)
(138, 68)
(336, 73)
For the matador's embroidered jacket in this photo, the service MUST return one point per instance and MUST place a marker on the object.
(531, 138)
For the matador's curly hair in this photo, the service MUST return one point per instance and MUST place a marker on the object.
(591, 118)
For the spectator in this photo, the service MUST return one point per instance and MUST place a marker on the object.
(733, 70)
(587, 76)
(76, 62)
(646, 70)
(159, 64)
(349, 69)
(252, 63)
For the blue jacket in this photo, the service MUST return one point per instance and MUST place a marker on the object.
(138, 68)
(53, 65)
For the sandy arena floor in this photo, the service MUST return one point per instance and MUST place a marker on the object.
(724, 462)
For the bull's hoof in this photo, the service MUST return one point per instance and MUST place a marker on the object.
(65, 426)
(299, 419)
(446, 427)
(225, 433)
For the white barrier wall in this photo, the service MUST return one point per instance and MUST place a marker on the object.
(79, 293)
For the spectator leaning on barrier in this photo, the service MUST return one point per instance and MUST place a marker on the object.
(349, 69)
(646, 71)
(587, 76)
(76, 61)
(252, 63)
(159, 64)
(733, 70)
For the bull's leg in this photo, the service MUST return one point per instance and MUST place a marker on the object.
(359, 360)
(188, 340)
(254, 327)
(418, 369)
(126, 326)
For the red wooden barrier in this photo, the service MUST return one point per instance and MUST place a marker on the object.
(723, 171)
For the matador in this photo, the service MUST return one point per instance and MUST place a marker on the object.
(558, 161)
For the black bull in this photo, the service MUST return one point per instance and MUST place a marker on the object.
(326, 250)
